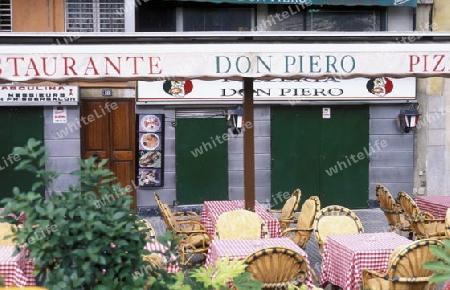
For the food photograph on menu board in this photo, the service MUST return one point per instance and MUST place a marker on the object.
(150, 141)
(150, 151)
(150, 123)
(150, 177)
(150, 159)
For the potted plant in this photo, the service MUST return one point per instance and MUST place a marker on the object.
(78, 244)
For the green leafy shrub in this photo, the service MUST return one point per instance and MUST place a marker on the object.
(442, 266)
(79, 242)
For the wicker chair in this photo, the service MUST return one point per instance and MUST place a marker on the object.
(151, 234)
(447, 224)
(405, 270)
(423, 223)
(277, 267)
(6, 230)
(191, 216)
(302, 232)
(240, 224)
(194, 245)
(393, 211)
(335, 220)
(287, 213)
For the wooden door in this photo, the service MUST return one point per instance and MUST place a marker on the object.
(108, 132)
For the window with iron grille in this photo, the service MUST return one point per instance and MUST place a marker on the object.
(5, 16)
(95, 15)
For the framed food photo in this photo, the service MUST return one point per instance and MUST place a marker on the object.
(150, 151)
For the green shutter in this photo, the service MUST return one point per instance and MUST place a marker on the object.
(320, 155)
(201, 160)
(18, 125)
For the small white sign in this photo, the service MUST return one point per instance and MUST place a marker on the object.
(326, 113)
(59, 114)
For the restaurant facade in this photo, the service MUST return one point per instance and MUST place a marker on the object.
(325, 106)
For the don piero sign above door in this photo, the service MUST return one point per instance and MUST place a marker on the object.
(278, 90)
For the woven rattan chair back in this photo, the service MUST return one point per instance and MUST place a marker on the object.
(408, 205)
(6, 230)
(240, 224)
(162, 210)
(423, 224)
(277, 267)
(291, 205)
(151, 234)
(287, 213)
(302, 232)
(447, 223)
(392, 210)
(335, 220)
(193, 248)
(405, 270)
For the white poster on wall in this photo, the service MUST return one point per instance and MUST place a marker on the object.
(59, 114)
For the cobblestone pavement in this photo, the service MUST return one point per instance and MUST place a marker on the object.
(373, 220)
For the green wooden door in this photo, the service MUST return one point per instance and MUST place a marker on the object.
(324, 157)
(201, 160)
(18, 125)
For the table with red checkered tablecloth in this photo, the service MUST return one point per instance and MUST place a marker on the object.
(240, 249)
(213, 209)
(436, 205)
(16, 270)
(345, 256)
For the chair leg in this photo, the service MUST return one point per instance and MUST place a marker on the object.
(315, 277)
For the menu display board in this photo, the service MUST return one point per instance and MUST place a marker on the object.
(150, 150)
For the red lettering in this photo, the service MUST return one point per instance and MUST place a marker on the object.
(91, 66)
(154, 65)
(116, 68)
(441, 58)
(413, 61)
(15, 59)
(68, 66)
(425, 63)
(32, 66)
(44, 66)
(134, 58)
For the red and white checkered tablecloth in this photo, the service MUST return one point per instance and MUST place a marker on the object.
(213, 209)
(16, 270)
(345, 256)
(20, 218)
(240, 249)
(158, 247)
(436, 205)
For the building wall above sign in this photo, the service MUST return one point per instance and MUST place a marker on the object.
(20, 95)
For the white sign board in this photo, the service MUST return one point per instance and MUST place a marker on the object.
(19, 95)
(276, 90)
(208, 61)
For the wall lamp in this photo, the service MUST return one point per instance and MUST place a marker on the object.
(236, 120)
(409, 119)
